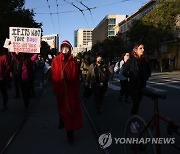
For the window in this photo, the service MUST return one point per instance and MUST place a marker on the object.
(110, 33)
(110, 27)
(112, 21)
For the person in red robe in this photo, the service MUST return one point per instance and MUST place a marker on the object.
(66, 88)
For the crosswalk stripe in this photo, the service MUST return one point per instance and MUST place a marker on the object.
(114, 87)
(156, 89)
(165, 84)
(165, 79)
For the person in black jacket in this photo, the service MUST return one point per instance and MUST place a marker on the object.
(98, 76)
(137, 69)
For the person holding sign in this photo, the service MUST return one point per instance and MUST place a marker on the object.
(4, 74)
(66, 88)
(25, 75)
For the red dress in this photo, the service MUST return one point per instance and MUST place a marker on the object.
(66, 88)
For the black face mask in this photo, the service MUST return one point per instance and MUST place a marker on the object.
(99, 62)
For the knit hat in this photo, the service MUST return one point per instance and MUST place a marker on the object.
(67, 43)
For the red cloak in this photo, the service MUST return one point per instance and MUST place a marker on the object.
(67, 89)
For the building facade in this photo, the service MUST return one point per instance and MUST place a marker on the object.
(82, 40)
(105, 29)
(83, 37)
(125, 25)
(52, 40)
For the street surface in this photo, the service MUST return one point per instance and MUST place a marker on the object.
(41, 135)
(115, 113)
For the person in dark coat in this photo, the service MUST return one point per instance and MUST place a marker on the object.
(25, 75)
(15, 70)
(4, 75)
(138, 70)
(97, 77)
(66, 88)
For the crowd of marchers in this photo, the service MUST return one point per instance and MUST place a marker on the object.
(69, 74)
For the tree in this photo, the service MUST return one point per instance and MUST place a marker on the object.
(157, 26)
(111, 47)
(148, 34)
(163, 15)
(13, 14)
(162, 18)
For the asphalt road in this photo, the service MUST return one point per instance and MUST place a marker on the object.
(115, 113)
(40, 133)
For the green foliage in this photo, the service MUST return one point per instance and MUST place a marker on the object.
(163, 15)
(13, 14)
(157, 26)
(111, 47)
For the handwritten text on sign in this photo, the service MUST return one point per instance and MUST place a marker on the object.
(25, 39)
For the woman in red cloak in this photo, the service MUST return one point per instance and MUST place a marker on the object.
(66, 88)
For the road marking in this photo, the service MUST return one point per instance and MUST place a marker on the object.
(163, 81)
(165, 77)
(165, 84)
(113, 87)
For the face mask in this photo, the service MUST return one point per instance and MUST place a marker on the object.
(99, 62)
(65, 50)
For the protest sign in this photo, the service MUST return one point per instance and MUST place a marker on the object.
(25, 40)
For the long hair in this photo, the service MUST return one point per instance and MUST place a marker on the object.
(122, 56)
(135, 47)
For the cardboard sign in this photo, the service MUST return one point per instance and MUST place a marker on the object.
(25, 40)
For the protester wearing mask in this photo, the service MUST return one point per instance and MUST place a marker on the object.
(66, 88)
(98, 76)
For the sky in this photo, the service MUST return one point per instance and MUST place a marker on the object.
(63, 17)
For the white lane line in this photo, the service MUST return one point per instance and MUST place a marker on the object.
(165, 84)
(168, 77)
(114, 87)
(162, 81)
(166, 73)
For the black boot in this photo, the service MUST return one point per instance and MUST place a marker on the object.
(70, 135)
(61, 124)
(26, 113)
